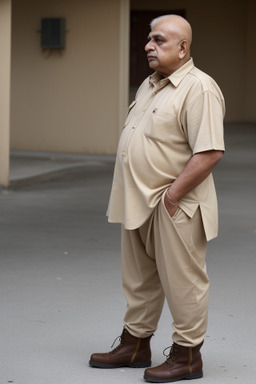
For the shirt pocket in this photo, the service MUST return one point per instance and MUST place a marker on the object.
(162, 126)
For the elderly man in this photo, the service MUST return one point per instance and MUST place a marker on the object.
(163, 194)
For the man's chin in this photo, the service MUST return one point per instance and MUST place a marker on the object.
(152, 64)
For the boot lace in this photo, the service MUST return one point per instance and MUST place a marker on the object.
(171, 355)
(118, 347)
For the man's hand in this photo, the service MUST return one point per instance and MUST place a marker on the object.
(197, 170)
(171, 208)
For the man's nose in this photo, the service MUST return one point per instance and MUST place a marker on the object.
(149, 46)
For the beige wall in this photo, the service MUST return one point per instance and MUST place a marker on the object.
(76, 101)
(5, 77)
(223, 45)
(69, 101)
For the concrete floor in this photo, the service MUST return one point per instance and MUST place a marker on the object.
(60, 282)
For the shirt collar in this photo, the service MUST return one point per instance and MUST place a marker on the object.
(175, 78)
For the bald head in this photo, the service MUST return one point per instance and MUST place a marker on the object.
(175, 24)
(168, 46)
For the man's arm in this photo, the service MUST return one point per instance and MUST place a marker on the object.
(196, 171)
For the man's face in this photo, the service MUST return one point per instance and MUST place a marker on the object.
(163, 49)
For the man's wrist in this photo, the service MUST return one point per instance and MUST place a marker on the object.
(171, 200)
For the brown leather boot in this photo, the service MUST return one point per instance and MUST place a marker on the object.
(182, 363)
(131, 352)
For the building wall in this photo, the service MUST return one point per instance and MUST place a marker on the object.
(75, 101)
(67, 101)
(223, 32)
(250, 110)
(5, 81)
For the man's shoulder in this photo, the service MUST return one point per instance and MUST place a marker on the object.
(205, 81)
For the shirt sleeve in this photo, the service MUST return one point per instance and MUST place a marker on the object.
(203, 122)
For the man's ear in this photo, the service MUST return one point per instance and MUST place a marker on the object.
(183, 48)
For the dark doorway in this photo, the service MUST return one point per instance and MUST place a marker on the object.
(139, 30)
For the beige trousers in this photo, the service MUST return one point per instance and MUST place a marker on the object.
(165, 258)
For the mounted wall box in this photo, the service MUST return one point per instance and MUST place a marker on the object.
(53, 33)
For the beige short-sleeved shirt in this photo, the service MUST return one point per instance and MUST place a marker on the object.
(170, 120)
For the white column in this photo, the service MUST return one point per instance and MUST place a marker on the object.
(5, 81)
